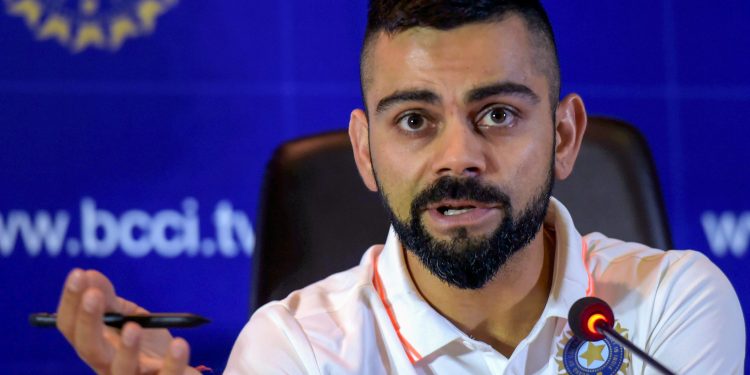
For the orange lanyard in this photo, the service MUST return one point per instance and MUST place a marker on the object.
(411, 353)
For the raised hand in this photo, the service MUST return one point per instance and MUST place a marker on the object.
(86, 296)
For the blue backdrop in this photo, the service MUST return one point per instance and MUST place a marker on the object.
(134, 134)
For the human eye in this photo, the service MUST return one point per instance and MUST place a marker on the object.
(497, 117)
(412, 122)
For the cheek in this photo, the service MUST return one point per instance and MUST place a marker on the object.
(537, 173)
(523, 167)
(396, 177)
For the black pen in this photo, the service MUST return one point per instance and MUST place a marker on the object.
(157, 320)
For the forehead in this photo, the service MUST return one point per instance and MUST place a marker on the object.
(451, 62)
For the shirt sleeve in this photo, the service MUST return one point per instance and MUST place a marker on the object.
(272, 342)
(700, 328)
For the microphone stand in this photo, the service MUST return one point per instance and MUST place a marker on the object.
(610, 333)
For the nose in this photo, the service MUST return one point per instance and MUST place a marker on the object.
(460, 151)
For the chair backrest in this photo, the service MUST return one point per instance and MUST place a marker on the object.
(316, 217)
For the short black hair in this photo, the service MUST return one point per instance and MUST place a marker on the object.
(395, 16)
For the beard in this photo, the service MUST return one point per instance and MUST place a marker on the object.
(464, 261)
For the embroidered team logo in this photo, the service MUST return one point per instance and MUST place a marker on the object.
(80, 24)
(604, 357)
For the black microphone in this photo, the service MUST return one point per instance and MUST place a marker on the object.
(592, 319)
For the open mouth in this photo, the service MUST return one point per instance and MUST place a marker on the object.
(453, 211)
(455, 207)
(447, 215)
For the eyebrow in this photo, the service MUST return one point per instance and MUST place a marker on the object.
(502, 88)
(474, 95)
(425, 96)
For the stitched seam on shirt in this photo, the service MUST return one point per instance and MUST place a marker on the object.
(309, 348)
(328, 309)
(654, 254)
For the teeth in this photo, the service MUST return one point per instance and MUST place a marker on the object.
(452, 212)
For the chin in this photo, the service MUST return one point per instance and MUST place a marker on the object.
(464, 234)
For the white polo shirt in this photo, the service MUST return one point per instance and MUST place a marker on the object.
(676, 305)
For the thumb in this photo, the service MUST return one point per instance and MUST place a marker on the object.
(176, 360)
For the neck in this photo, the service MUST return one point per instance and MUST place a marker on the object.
(503, 312)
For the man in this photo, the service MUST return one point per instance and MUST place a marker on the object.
(462, 136)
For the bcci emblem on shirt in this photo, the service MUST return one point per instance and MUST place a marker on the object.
(80, 24)
(604, 357)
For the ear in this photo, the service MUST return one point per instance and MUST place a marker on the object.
(571, 124)
(359, 135)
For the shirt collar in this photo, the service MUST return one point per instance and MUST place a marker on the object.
(570, 279)
(418, 323)
(426, 331)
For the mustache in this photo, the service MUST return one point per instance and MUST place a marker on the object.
(448, 187)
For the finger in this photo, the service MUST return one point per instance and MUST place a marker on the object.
(89, 339)
(126, 358)
(76, 284)
(129, 308)
(70, 300)
(97, 280)
(177, 358)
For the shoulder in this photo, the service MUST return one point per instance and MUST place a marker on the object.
(271, 342)
(293, 330)
(674, 302)
(612, 259)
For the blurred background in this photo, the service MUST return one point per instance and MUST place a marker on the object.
(134, 135)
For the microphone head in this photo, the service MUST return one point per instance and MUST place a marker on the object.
(586, 314)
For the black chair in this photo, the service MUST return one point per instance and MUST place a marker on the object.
(316, 217)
